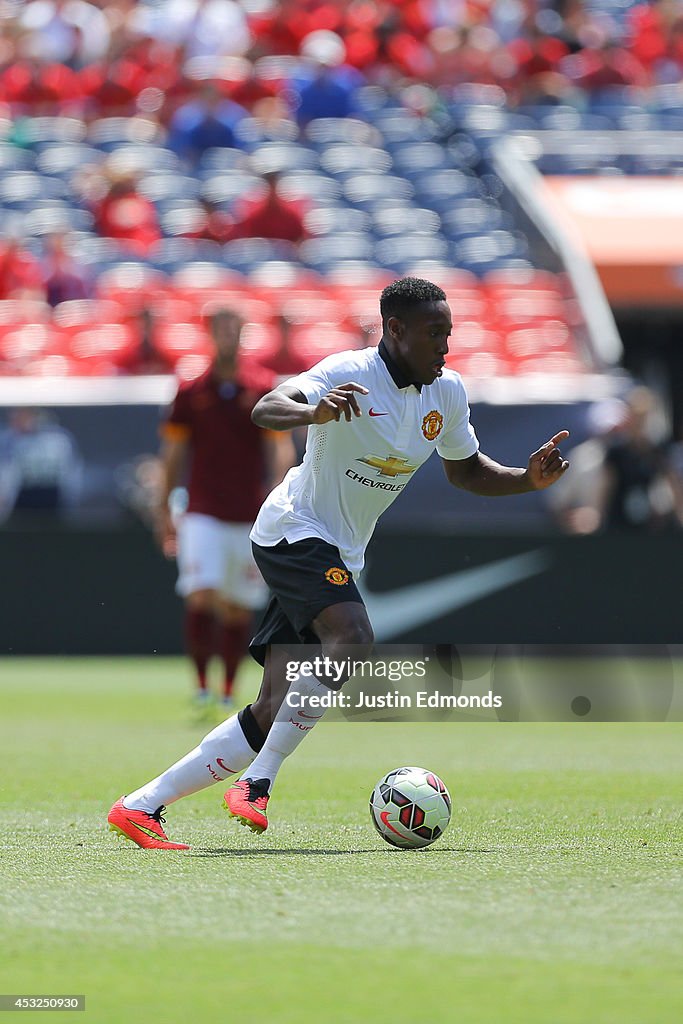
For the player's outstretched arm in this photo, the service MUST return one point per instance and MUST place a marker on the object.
(286, 407)
(482, 475)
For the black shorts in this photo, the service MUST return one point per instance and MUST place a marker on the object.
(304, 577)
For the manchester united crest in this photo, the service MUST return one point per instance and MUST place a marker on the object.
(432, 424)
(337, 576)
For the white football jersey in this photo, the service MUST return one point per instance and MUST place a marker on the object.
(352, 472)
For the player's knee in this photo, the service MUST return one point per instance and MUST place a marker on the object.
(201, 601)
(356, 637)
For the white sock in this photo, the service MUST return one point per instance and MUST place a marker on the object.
(221, 753)
(293, 722)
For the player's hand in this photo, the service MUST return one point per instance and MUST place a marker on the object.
(339, 402)
(165, 533)
(546, 466)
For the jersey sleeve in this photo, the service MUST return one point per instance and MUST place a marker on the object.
(327, 374)
(177, 426)
(459, 440)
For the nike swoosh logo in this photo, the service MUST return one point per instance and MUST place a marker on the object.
(397, 611)
(147, 831)
(373, 413)
(385, 818)
(302, 714)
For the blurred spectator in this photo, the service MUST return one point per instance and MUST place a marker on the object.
(20, 274)
(64, 279)
(624, 476)
(146, 357)
(211, 223)
(269, 217)
(576, 500)
(139, 484)
(69, 32)
(125, 214)
(284, 362)
(604, 65)
(207, 122)
(40, 467)
(640, 490)
(327, 86)
(202, 27)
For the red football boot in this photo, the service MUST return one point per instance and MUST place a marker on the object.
(141, 828)
(247, 801)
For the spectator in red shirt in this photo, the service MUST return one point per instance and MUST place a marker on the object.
(232, 465)
(125, 214)
(20, 274)
(270, 217)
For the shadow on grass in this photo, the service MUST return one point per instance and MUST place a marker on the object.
(303, 852)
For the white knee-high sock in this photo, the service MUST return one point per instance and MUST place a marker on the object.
(293, 722)
(223, 752)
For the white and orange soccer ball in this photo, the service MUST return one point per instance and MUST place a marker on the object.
(410, 807)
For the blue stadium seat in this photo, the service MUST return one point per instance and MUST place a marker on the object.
(110, 133)
(366, 189)
(402, 219)
(160, 186)
(21, 189)
(13, 158)
(327, 131)
(442, 190)
(63, 159)
(45, 218)
(311, 187)
(398, 251)
(282, 156)
(245, 254)
(350, 245)
(330, 220)
(231, 185)
(40, 131)
(474, 216)
(221, 159)
(341, 160)
(171, 254)
(252, 131)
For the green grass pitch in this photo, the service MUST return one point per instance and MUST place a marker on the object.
(554, 898)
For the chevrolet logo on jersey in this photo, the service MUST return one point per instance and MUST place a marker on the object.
(391, 466)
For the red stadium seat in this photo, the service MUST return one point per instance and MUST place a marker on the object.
(105, 344)
(23, 311)
(29, 342)
(310, 343)
(76, 314)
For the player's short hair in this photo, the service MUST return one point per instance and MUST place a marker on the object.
(400, 297)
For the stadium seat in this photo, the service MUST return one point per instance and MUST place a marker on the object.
(329, 220)
(366, 189)
(402, 219)
(344, 160)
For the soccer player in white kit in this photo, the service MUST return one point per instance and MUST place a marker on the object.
(373, 416)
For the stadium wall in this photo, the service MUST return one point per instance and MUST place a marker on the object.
(109, 591)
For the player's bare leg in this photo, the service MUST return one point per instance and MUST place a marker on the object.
(344, 631)
(234, 624)
(201, 628)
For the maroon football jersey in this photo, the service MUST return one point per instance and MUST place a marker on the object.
(227, 461)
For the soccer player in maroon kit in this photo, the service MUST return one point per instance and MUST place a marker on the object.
(232, 465)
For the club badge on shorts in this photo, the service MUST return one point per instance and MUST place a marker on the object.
(432, 424)
(337, 576)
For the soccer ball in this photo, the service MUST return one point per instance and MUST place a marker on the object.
(410, 808)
